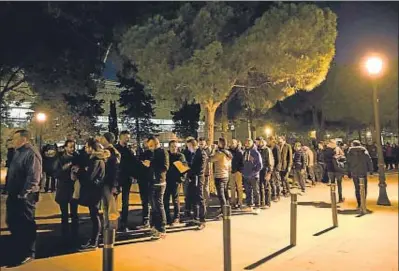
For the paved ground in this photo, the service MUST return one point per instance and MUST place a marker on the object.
(368, 243)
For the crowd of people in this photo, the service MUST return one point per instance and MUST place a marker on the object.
(249, 176)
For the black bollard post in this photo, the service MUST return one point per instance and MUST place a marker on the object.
(334, 205)
(108, 250)
(362, 196)
(227, 237)
(294, 205)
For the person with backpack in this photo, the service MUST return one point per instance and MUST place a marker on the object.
(334, 160)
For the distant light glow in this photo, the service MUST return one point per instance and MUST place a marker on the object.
(368, 134)
(374, 65)
(268, 131)
(41, 117)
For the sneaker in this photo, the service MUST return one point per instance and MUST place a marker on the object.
(341, 200)
(158, 235)
(123, 229)
(175, 222)
(90, 245)
(256, 211)
(201, 226)
(263, 207)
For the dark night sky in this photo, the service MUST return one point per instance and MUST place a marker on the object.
(362, 27)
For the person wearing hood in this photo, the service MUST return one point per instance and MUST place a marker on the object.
(286, 164)
(332, 154)
(299, 166)
(110, 179)
(252, 167)
(65, 190)
(92, 184)
(359, 164)
(265, 173)
(237, 165)
(222, 164)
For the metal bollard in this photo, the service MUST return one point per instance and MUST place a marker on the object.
(294, 205)
(227, 237)
(334, 205)
(108, 250)
(362, 196)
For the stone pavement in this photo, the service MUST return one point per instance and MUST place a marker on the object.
(367, 243)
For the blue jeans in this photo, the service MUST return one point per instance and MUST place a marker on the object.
(222, 190)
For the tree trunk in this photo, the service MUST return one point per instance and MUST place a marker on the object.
(138, 139)
(320, 134)
(210, 110)
(225, 121)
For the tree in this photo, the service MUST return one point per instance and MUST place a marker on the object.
(205, 53)
(138, 104)
(113, 119)
(186, 120)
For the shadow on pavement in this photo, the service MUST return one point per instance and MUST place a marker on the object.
(316, 204)
(324, 231)
(268, 258)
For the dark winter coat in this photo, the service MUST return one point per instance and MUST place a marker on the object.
(159, 166)
(299, 160)
(112, 167)
(237, 164)
(264, 154)
(328, 156)
(10, 155)
(359, 161)
(277, 157)
(127, 165)
(320, 156)
(144, 173)
(25, 171)
(173, 175)
(286, 157)
(51, 161)
(197, 163)
(65, 186)
(92, 179)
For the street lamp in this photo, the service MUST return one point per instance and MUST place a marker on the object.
(374, 67)
(41, 118)
(268, 131)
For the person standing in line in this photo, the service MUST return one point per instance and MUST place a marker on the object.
(222, 164)
(50, 165)
(92, 184)
(299, 166)
(24, 176)
(208, 170)
(158, 165)
(359, 164)
(196, 183)
(188, 202)
(331, 154)
(112, 164)
(126, 169)
(237, 165)
(310, 162)
(10, 155)
(320, 166)
(265, 173)
(286, 164)
(173, 180)
(389, 156)
(374, 156)
(275, 178)
(251, 170)
(64, 193)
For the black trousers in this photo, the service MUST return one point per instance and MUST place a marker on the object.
(284, 182)
(20, 218)
(172, 191)
(145, 196)
(69, 209)
(96, 221)
(126, 185)
(222, 191)
(356, 182)
(196, 187)
(158, 209)
(51, 183)
(265, 189)
(375, 164)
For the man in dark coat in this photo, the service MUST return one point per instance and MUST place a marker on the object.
(10, 155)
(126, 168)
(331, 155)
(65, 191)
(144, 177)
(173, 180)
(286, 164)
(276, 179)
(299, 166)
(189, 205)
(196, 182)
(158, 165)
(23, 191)
(359, 164)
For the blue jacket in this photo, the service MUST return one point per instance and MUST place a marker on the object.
(252, 163)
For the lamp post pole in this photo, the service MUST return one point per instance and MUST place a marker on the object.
(382, 196)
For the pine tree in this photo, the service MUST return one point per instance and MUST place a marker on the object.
(186, 120)
(138, 104)
(113, 119)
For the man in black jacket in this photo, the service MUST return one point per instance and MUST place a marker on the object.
(124, 176)
(359, 164)
(237, 165)
(188, 202)
(265, 173)
(173, 180)
(110, 180)
(158, 165)
(331, 155)
(196, 182)
(286, 164)
(23, 188)
(299, 164)
(10, 154)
